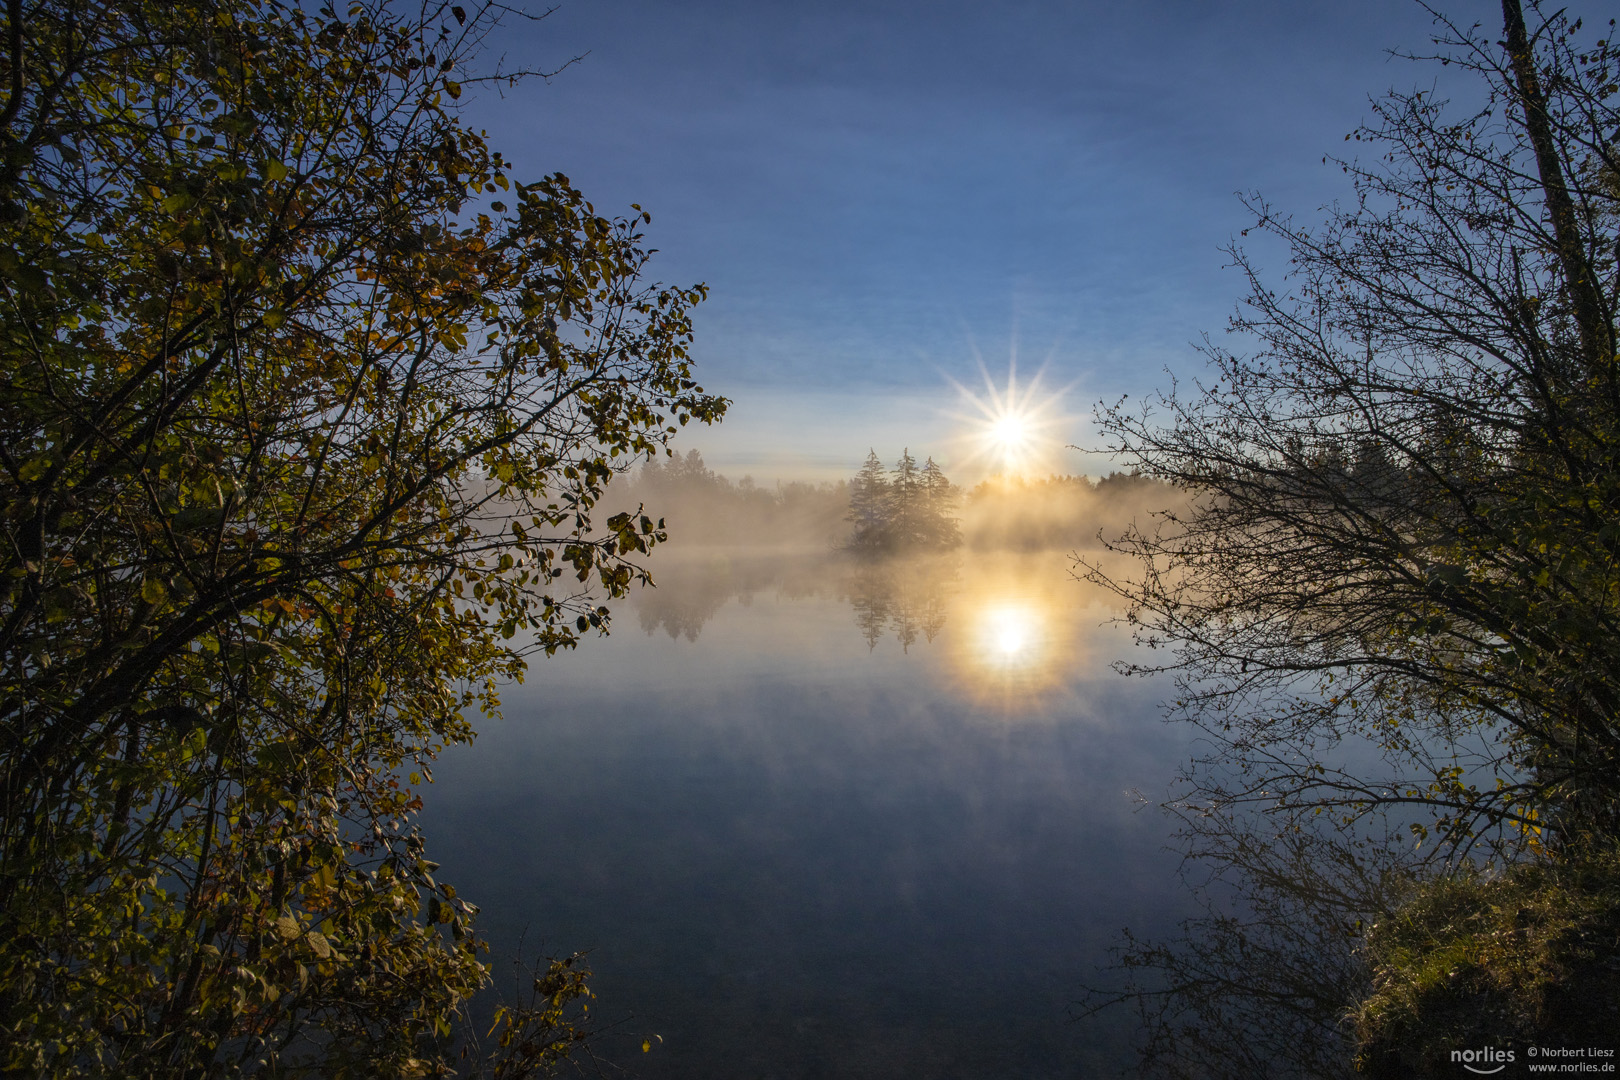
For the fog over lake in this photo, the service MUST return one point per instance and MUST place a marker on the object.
(800, 838)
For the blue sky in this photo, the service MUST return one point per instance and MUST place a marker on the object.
(882, 195)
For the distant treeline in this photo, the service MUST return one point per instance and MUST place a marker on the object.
(699, 506)
(702, 507)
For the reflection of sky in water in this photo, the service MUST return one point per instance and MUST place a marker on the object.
(798, 850)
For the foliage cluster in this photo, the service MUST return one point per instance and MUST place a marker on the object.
(1523, 959)
(703, 507)
(305, 408)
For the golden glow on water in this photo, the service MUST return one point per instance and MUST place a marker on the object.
(1012, 636)
(1009, 635)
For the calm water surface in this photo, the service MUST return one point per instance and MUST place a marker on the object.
(822, 820)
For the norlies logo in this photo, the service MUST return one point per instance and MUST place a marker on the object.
(1487, 1056)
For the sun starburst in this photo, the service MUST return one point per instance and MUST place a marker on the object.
(1014, 430)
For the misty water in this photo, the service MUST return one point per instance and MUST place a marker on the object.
(819, 818)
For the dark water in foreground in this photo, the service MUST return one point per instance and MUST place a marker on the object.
(816, 821)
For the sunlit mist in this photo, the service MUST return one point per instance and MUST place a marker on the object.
(1013, 430)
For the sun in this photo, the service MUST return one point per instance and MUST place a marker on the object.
(1015, 430)
(1011, 435)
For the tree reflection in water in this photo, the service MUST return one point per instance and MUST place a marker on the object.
(902, 597)
(1003, 629)
(906, 598)
(1262, 982)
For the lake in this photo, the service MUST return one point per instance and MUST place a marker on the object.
(815, 818)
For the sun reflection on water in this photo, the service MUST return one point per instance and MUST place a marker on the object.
(1011, 641)
(1009, 633)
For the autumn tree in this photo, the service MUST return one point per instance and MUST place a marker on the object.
(305, 406)
(1394, 598)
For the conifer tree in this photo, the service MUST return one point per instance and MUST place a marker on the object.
(905, 502)
(868, 504)
(939, 500)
